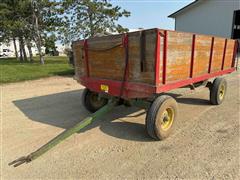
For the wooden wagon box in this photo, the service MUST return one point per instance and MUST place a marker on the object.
(142, 63)
(135, 66)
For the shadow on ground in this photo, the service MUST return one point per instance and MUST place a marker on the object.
(189, 100)
(65, 110)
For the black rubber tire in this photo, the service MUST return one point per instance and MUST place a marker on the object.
(215, 91)
(159, 105)
(91, 101)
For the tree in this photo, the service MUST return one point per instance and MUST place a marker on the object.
(14, 23)
(29, 20)
(33, 20)
(46, 16)
(87, 18)
(8, 21)
(50, 46)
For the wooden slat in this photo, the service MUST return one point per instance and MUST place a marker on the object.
(217, 54)
(79, 59)
(229, 54)
(178, 56)
(202, 55)
(135, 74)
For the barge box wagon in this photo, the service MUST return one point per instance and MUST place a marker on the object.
(135, 68)
(140, 64)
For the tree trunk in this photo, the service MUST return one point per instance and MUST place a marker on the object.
(15, 47)
(29, 46)
(24, 51)
(91, 23)
(21, 53)
(40, 51)
(23, 48)
(38, 38)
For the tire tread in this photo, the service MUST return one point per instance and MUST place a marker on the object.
(152, 113)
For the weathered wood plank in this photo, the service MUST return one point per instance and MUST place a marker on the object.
(202, 55)
(229, 54)
(178, 58)
(217, 54)
(79, 59)
(135, 74)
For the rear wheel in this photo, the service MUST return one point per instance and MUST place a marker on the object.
(161, 117)
(91, 100)
(218, 91)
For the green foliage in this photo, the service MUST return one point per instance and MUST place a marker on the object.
(87, 18)
(49, 14)
(13, 71)
(15, 17)
(9, 19)
(30, 20)
(68, 20)
(50, 43)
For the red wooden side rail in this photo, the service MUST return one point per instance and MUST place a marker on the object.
(211, 56)
(165, 58)
(224, 54)
(157, 58)
(192, 55)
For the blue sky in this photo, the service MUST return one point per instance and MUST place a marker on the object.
(149, 13)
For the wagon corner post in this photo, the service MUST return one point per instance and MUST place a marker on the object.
(157, 58)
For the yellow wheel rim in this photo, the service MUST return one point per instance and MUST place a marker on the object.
(167, 119)
(222, 92)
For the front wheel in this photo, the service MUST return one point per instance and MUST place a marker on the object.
(91, 100)
(161, 117)
(218, 91)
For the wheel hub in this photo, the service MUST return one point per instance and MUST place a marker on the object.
(167, 119)
(222, 92)
(95, 101)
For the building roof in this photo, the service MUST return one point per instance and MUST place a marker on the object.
(173, 15)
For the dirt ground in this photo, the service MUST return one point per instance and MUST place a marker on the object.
(205, 144)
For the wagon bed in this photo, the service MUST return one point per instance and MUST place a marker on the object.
(129, 68)
(140, 64)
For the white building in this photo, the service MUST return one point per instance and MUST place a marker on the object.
(7, 49)
(212, 17)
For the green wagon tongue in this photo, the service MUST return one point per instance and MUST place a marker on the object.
(65, 134)
(21, 160)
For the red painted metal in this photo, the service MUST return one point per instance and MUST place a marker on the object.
(85, 46)
(235, 52)
(131, 90)
(141, 90)
(126, 56)
(157, 58)
(164, 58)
(126, 69)
(192, 55)
(211, 56)
(186, 82)
(224, 54)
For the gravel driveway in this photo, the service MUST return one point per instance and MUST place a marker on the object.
(205, 144)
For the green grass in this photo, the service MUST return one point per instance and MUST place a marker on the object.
(12, 70)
